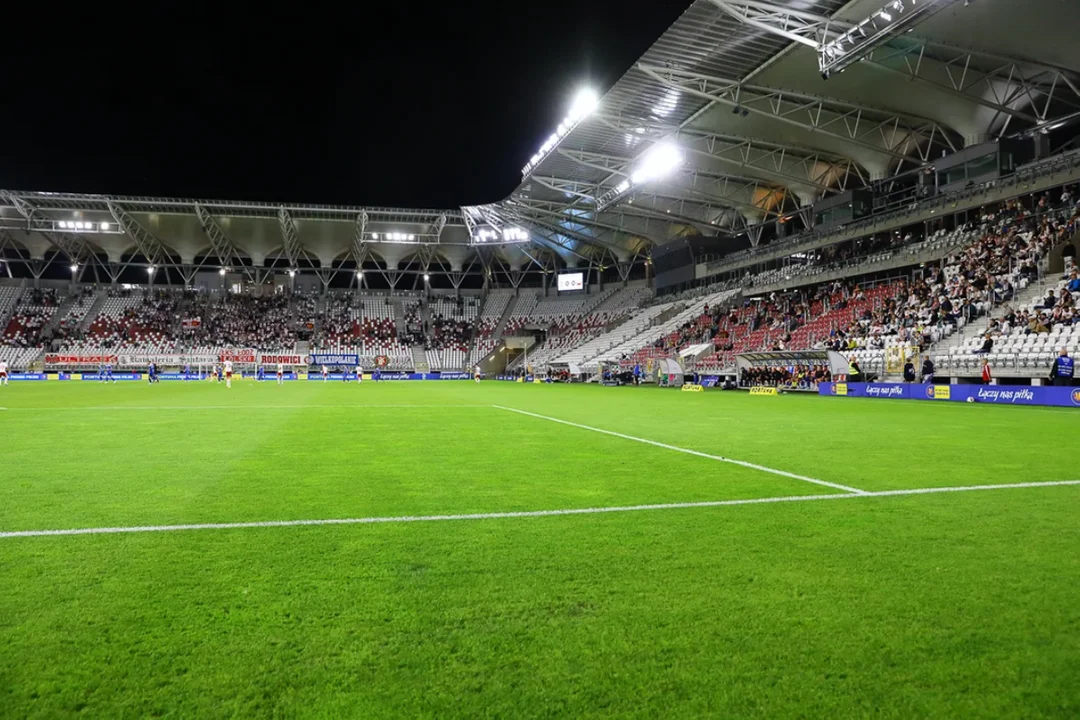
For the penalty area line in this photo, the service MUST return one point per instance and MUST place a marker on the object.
(525, 513)
(688, 451)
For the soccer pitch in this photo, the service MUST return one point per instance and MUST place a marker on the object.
(733, 555)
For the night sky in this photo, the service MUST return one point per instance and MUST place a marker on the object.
(409, 104)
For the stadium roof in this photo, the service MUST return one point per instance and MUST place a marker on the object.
(736, 85)
(733, 85)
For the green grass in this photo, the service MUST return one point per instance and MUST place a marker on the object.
(944, 605)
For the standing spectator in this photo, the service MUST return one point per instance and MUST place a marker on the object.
(1061, 374)
(909, 371)
(927, 370)
(986, 375)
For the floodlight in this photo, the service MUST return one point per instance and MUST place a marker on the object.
(374, 236)
(360, 274)
(63, 224)
(426, 277)
(411, 237)
(584, 103)
(150, 270)
(221, 272)
(292, 273)
(74, 267)
(659, 161)
(104, 227)
(885, 16)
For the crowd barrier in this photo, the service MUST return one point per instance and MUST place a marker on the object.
(994, 394)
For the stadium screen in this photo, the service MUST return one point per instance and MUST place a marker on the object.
(571, 281)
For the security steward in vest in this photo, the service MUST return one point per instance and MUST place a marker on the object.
(854, 372)
(1061, 374)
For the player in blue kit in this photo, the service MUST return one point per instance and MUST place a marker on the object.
(105, 374)
(187, 372)
(151, 373)
(260, 373)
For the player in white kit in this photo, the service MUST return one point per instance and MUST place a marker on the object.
(359, 374)
(280, 374)
(3, 373)
(228, 373)
(476, 374)
(325, 373)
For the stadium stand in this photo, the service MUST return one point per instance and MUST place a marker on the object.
(32, 313)
(80, 305)
(572, 323)
(523, 311)
(133, 322)
(452, 323)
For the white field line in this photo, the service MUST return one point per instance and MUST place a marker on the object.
(523, 514)
(236, 407)
(676, 448)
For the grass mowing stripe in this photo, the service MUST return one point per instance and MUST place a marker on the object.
(525, 513)
(238, 407)
(676, 448)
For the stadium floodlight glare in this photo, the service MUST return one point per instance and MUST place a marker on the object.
(74, 267)
(657, 162)
(426, 277)
(221, 272)
(374, 236)
(360, 274)
(292, 273)
(104, 227)
(583, 104)
(150, 270)
(660, 161)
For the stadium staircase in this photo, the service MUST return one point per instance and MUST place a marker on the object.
(425, 318)
(94, 311)
(399, 313)
(8, 301)
(419, 358)
(57, 317)
(505, 317)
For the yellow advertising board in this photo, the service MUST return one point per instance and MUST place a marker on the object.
(758, 390)
(691, 387)
(939, 392)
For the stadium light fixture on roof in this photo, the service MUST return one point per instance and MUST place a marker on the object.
(80, 225)
(292, 273)
(583, 104)
(894, 18)
(74, 267)
(221, 272)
